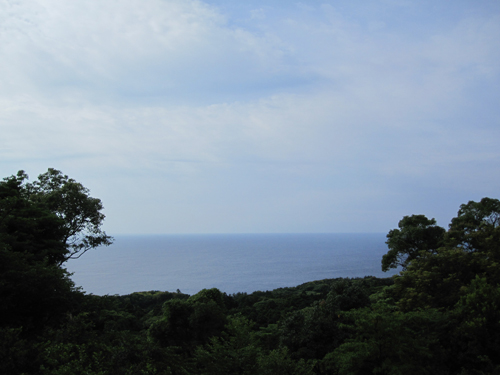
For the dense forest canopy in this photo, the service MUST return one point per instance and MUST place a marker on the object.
(439, 315)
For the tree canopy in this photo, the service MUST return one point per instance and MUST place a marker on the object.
(80, 215)
(416, 233)
(27, 227)
(34, 288)
(439, 315)
(476, 228)
(477, 225)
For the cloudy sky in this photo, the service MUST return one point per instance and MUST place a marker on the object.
(258, 116)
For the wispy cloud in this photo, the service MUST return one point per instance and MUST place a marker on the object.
(328, 108)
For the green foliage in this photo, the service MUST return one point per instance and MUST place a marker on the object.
(387, 341)
(234, 352)
(477, 226)
(191, 322)
(477, 334)
(27, 227)
(461, 279)
(438, 279)
(14, 351)
(269, 307)
(33, 294)
(440, 315)
(480, 304)
(71, 202)
(238, 351)
(70, 359)
(416, 235)
(34, 291)
(208, 296)
(348, 294)
(279, 362)
(435, 281)
(52, 217)
(312, 332)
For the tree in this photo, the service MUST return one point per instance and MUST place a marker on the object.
(233, 352)
(477, 226)
(387, 341)
(478, 331)
(191, 322)
(436, 280)
(416, 233)
(34, 289)
(43, 224)
(29, 228)
(70, 201)
(460, 279)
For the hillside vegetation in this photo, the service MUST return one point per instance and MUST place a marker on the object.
(440, 315)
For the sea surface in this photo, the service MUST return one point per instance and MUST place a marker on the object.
(231, 262)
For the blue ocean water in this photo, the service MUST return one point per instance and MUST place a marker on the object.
(231, 262)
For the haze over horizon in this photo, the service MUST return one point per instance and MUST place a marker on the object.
(218, 116)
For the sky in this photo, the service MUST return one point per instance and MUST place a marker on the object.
(255, 116)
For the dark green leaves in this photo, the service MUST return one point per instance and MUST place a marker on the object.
(416, 234)
(72, 203)
(477, 226)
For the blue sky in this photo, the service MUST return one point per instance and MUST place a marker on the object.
(257, 116)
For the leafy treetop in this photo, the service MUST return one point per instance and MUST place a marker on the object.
(416, 233)
(70, 201)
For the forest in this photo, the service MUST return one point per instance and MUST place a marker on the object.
(439, 315)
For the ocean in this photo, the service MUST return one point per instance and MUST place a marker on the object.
(230, 262)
